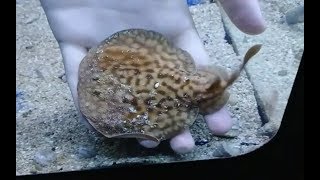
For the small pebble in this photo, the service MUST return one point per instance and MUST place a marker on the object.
(298, 55)
(295, 15)
(48, 134)
(226, 150)
(283, 73)
(233, 100)
(231, 150)
(59, 168)
(220, 152)
(31, 18)
(26, 114)
(39, 74)
(29, 47)
(201, 142)
(248, 144)
(227, 38)
(33, 172)
(44, 157)
(86, 152)
(269, 129)
(63, 77)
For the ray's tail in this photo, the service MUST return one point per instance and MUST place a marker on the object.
(250, 53)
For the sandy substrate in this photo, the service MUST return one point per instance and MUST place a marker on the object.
(273, 71)
(50, 138)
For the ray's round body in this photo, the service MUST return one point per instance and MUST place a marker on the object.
(137, 84)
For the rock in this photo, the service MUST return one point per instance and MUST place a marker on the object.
(32, 17)
(39, 74)
(295, 15)
(283, 73)
(201, 142)
(86, 152)
(219, 151)
(27, 113)
(44, 157)
(231, 150)
(29, 47)
(63, 77)
(270, 129)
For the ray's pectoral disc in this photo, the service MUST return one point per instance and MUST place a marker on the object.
(136, 84)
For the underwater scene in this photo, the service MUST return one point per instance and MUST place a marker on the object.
(108, 83)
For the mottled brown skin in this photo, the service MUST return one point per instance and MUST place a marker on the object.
(136, 84)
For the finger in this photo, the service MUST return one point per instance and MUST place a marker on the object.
(182, 143)
(72, 55)
(190, 41)
(148, 143)
(220, 122)
(245, 15)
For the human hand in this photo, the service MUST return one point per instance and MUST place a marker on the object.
(79, 25)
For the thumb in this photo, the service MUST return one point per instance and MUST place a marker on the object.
(190, 41)
(72, 55)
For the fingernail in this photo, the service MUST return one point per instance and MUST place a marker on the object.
(148, 143)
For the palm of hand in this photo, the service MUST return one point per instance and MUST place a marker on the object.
(78, 27)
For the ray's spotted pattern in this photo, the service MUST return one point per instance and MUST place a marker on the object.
(137, 84)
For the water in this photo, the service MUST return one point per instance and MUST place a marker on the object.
(194, 2)
(274, 68)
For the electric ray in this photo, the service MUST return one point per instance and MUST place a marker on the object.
(137, 84)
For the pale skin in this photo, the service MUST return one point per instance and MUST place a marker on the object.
(81, 24)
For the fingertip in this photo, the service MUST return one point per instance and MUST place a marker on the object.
(182, 143)
(245, 15)
(148, 143)
(253, 26)
(220, 122)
